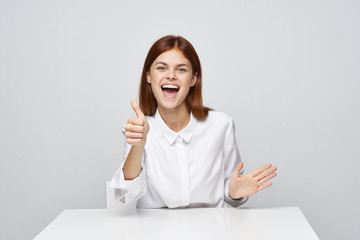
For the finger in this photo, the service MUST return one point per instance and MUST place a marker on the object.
(137, 109)
(134, 135)
(134, 128)
(262, 187)
(137, 121)
(267, 178)
(266, 173)
(260, 169)
(238, 169)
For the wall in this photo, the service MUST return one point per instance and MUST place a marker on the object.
(287, 71)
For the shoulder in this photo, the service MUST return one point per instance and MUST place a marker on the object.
(218, 120)
(150, 118)
(219, 117)
(152, 121)
(219, 125)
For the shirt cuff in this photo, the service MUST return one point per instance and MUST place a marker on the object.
(233, 202)
(127, 191)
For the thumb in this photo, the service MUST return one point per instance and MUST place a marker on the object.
(238, 169)
(137, 109)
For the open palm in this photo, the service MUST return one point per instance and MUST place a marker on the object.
(250, 183)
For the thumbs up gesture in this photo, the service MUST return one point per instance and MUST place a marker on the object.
(136, 128)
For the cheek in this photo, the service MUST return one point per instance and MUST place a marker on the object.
(154, 89)
(188, 81)
(156, 77)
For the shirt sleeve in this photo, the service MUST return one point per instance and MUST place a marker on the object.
(231, 159)
(127, 191)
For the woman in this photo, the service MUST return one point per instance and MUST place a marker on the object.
(179, 153)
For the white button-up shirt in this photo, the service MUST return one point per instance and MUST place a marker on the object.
(190, 168)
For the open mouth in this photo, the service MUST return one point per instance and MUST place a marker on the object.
(170, 91)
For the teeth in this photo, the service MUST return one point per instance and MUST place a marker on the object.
(170, 86)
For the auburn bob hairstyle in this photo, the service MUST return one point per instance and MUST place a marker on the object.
(147, 100)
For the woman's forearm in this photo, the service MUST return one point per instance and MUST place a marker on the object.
(132, 165)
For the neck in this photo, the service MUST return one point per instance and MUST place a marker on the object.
(176, 119)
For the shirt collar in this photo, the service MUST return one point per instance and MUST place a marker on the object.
(170, 135)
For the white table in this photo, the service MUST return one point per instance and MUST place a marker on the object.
(171, 224)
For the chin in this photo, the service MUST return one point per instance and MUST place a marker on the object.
(170, 104)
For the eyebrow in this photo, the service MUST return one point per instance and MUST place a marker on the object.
(179, 65)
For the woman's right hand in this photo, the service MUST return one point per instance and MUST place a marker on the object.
(137, 128)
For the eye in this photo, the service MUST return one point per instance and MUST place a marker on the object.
(182, 69)
(161, 68)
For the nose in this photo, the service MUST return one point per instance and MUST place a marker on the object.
(171, 75)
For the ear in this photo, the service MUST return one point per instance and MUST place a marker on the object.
(148, 77)
(194, 79)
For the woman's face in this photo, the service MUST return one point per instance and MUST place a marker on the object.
(171, 77)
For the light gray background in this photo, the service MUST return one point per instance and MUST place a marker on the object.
(287, 71)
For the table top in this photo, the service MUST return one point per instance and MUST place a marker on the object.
(190, 223)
